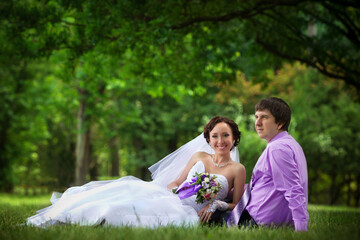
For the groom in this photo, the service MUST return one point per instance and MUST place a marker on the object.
(278, 189)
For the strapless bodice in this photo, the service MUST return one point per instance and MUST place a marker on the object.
(199, 167)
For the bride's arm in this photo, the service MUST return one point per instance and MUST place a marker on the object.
(239, 184)
(238, 190)
(194, 159)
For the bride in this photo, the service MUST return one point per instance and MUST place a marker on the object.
(129, 201)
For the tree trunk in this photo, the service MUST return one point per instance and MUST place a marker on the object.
(94, 166)
(357, 193)
(335, 189)
(114, 157)
(313, 180)
(5, 170)
(28, 177)
(6, 121)
(172, 146)
(143, 173)
(332, 189)
(349, 192)
(82, 142)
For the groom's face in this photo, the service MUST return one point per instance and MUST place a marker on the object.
(265, 125)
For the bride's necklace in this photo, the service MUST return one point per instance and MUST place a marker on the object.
(219, 165)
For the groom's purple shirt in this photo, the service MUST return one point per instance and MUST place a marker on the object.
(279, 193)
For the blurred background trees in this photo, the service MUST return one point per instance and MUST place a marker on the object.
(99, 89)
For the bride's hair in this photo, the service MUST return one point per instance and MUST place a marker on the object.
(218, 119)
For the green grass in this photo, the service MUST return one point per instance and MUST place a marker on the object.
(325, 223)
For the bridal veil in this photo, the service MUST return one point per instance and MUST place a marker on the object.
(170, 167)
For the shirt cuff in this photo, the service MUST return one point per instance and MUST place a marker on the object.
(301, 226)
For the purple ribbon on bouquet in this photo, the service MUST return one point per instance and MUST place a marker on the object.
(187, 189)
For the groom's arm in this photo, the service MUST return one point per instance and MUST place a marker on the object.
(286, 178)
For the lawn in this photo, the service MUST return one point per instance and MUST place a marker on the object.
(325, 223)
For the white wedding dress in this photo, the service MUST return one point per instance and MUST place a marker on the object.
(127, 201)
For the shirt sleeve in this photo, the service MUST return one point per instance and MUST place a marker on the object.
(286, 178)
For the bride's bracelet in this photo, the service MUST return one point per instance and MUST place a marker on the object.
(217, 204)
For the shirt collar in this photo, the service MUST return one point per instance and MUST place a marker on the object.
(279, 135)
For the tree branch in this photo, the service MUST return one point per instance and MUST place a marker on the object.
(321, 67)
(259, 8)
(353, 32)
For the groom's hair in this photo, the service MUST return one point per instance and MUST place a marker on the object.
(278, 108)
(218, 119)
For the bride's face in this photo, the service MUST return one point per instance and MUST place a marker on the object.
(221, 138)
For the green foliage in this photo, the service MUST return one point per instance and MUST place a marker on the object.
(327, 135)
(152, 73)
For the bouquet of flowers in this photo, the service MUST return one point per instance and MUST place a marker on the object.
(203, 185)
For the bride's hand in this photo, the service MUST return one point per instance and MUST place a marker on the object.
(204, 214)
(171, 186)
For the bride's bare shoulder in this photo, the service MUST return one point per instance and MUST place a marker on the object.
(238, 167)
(200, 155)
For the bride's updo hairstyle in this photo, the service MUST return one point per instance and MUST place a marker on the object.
(218, 119)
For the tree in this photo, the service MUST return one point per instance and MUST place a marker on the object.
(169, 47)
(25, 36)
(322, 34)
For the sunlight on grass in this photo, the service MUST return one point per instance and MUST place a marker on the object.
(312, 207)
(18, 199)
